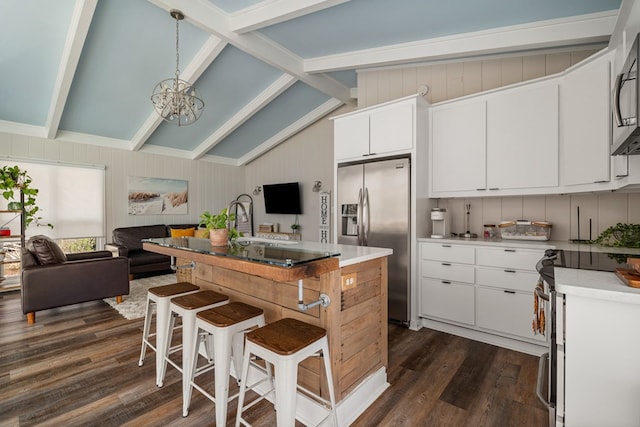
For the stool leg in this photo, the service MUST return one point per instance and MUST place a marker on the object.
(163, 316)
(243, 382)
(145, 331)
(286, 388)
(193, 353)
(327, 369)
(189, 342)
(222, 350)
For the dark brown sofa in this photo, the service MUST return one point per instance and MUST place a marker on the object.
(127, 242)
(59, 280)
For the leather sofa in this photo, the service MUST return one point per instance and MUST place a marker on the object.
(59, 280)
(127, 242)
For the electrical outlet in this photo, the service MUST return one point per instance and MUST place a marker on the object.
(349, 280)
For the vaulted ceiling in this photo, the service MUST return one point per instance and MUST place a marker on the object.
(84, 70)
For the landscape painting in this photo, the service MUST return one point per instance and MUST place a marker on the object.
(157, 196)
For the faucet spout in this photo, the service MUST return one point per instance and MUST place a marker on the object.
(244, 217)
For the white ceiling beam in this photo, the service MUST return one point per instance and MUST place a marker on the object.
(251, 108)
(273, 12)
(22, 129)
(81, 17)
(286, 133)
(591, 28)
(203, 58)
(206, 16)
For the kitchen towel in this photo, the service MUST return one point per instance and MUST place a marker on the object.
(538, 310)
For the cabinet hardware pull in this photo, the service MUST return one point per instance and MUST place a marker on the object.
(622, 175)
(509, 271)
(446, 263)
(494, 188)
(446, 282)
(509, 250)
(509, 292)
(481, 189)
(446, 246)
(600, 182)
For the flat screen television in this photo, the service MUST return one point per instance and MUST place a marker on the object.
(282, 198)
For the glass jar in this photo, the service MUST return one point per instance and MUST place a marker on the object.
(489, 231)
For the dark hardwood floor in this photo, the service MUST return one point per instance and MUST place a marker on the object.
(79, 366)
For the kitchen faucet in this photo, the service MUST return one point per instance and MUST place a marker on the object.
(243, 218)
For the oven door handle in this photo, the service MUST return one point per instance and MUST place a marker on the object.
(540, 293)
(542, 364)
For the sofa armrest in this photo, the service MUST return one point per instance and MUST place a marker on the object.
(78, 256)
(116, 249)
(57, 285)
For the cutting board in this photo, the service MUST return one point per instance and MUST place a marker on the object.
(630, 277)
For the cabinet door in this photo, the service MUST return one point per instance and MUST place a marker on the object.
(585, 114)
(351, 136)
(458, 147)
(447, 300)
(522, 137)
(392, 128)
(505, 311)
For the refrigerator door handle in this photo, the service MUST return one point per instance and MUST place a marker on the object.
(366, 213)
(359, 219)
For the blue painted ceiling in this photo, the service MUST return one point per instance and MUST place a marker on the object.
(84, 70)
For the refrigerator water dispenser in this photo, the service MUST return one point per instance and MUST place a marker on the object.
(349, 220)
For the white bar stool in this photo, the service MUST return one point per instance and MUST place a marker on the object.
(187, 307)
(160, 296)
(227, 325)
(284, 344)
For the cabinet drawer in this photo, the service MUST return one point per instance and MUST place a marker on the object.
(449, 301)
(520, 259)
(449, 253)
(519, 280)
(448, 271)
(506, 311)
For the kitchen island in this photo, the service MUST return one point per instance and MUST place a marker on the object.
(340, 288)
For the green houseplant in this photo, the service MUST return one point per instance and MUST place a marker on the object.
(13, 179)
(216, 224)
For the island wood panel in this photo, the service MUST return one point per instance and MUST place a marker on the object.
(274, 289)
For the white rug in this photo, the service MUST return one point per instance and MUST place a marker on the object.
(134, 304)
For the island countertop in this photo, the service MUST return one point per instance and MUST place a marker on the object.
(595, 284)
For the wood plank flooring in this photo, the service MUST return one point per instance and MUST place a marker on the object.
(78, 366)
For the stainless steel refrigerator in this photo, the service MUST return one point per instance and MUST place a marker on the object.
(374, 209)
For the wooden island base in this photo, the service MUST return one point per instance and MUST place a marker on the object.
(355, 320)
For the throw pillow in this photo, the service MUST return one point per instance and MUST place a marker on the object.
(182, 232)
(45, 250)
(201, 233)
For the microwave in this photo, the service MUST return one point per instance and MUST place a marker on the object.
(626, 114)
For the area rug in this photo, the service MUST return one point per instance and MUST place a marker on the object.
(134, 304)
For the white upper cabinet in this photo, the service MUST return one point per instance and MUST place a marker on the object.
(389, 128)
(522, 137)
(458, 147)
(585, 117)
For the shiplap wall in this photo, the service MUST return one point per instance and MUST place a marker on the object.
(211, 186)
(306, 157)
(448, 81)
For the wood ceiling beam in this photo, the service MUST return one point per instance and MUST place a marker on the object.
(265, 97)
(591, 28)
(273, 12)
(81, 17)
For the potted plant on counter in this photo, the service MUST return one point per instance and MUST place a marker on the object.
(216, 224)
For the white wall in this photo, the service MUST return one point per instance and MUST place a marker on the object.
(306, 157)
(211, 186)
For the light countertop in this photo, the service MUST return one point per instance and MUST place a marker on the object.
(349, 254)
(595, 284)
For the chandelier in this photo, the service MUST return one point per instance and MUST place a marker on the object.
(176, 100)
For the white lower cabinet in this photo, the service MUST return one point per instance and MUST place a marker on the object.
(487, 288)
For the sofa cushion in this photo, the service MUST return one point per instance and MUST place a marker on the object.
(146, 257)
(131, 237)
(45, 250)
(182, 232)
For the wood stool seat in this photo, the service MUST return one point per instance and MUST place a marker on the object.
(229, 314)
(286, 336)
(173, 289)
(199, 299)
